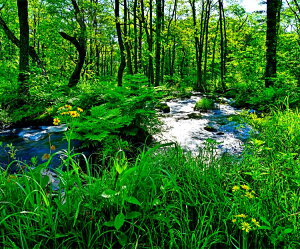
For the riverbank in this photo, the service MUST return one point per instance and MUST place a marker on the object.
(165, 199)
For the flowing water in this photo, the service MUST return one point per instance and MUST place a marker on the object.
(23, 144)
(190, 129)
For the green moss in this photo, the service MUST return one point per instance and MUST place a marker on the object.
(204, 104)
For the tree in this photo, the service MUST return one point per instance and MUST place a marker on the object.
(11, 36)
(24, 43)
(159, 18)
(273, 21)
(121, 43)
(79, 43)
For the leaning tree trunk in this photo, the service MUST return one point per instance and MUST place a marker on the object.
(79, 43)
(33, 54)
(24, 43)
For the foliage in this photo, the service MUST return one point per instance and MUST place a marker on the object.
(165, 198)
(205, 104)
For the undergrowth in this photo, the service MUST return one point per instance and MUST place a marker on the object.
(165, 198)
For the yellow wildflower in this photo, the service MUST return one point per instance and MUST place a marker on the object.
(249, 195)
(64, 113)
(255, 222)
(233, 220)
(52, 147)
(74, 114)
(246, 226)
(245, 187)
(235, 188)
(68, 107)
(56, 121)
(241, 215)
(60, 108)
(79, 109)
(45, 157)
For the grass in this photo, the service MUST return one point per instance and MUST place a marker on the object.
(164, 198)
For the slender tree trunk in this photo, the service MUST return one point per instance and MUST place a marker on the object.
(197, 46)
(140, 48)
(126, 38)
(24, 43)
(149, 34)
(151, 69)
(159, 16)
(222, 44)
(273, 11)
(135, 52)
(121, 44)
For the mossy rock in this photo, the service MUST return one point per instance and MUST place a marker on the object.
(163, 107)
(195, 115)
(205, 104)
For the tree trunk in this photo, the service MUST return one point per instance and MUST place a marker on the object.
(222, 43)
(121, 44)
(24, 43)
(159, 16)
(126, 40)
(135, 52)
(80, 45)
(33, 54)
(273, 11)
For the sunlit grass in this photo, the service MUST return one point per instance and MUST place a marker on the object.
(165, 198)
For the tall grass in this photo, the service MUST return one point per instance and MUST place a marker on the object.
(165, 198)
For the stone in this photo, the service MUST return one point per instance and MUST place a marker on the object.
(195, 115)
(210, 128)
(163, 107)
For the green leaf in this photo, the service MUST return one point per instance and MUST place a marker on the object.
(108, 193)
(133, 200)
(119, 221)
(265, 221)
(109, 224)
(287, 230)
(122, 238)
(264, 228)
(133, 215)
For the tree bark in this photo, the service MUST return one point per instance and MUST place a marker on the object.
(121, 44)
(159, 16)
(79, 43)
(135, 48)
(222, 44)
(126, 40)
(24, 42)
(273, 11)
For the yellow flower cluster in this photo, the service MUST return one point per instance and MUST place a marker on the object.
(67, 110)
(248, 192)
(244, 225)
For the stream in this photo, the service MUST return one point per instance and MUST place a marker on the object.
(182, 125)
(23, 144)
(190, 129)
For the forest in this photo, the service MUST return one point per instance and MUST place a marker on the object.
(149, 124)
